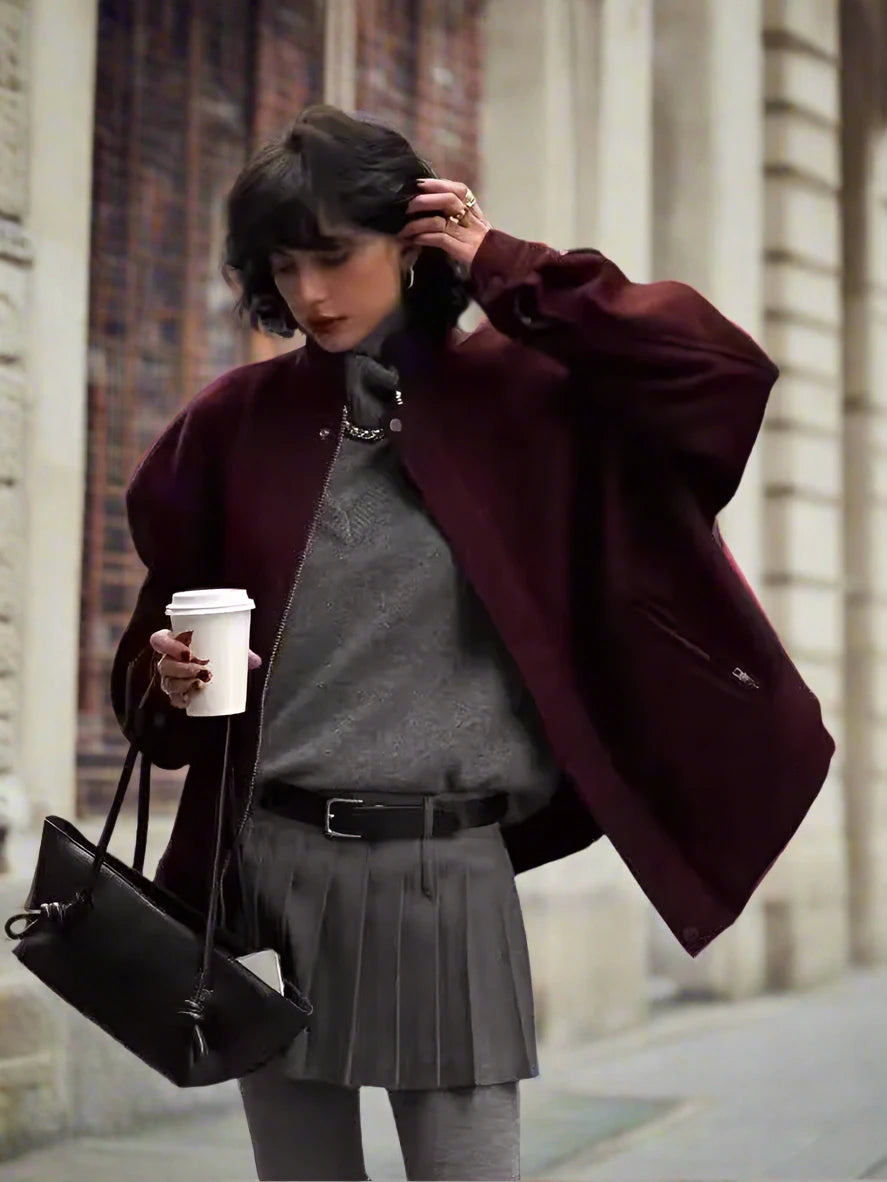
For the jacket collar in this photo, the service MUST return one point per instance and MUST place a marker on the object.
(410, 350)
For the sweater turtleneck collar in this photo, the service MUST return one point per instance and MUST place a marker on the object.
(373, 370)
(370, 378)
(370, 374)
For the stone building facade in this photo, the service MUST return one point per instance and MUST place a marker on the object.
(739, 147)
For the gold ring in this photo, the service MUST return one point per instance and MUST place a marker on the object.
(470, 199)
(457, 219)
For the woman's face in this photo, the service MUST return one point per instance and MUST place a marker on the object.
(339, 296)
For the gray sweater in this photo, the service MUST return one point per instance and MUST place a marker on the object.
(390, 674)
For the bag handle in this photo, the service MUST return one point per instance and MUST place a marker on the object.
(194, 1008)
(144, 811)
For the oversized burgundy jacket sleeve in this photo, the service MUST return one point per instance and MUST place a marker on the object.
(169, 506)
(658, 356)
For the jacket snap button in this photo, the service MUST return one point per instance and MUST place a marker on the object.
(324, 432)
(395, 425)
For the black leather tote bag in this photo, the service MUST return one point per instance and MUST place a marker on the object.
(134, 959)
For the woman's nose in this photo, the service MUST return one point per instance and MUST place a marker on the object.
(312, 288)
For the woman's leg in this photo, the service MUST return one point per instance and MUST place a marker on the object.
(302, 1129)
(460, 1133)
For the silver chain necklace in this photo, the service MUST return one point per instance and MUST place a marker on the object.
(373, 434)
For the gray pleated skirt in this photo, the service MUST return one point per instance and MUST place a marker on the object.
(412, 953)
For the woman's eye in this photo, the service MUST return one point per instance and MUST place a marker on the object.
(337, 259)
(281, 268)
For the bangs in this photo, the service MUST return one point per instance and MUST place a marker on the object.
(281, 210)
(295, 224)
(302, 200)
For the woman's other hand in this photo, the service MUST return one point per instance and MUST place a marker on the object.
(452, 221)
(181, 673)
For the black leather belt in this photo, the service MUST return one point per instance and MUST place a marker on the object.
(381, 816)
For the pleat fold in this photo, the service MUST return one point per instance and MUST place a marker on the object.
(411, 989)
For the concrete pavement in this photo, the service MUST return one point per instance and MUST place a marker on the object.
(791, 1087)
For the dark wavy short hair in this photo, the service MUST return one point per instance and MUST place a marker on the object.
(331, 170)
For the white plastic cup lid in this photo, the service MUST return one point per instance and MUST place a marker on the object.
(209, 601)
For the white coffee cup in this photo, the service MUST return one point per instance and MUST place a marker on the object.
(219, 619)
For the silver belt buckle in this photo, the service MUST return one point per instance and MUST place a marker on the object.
(328, 829)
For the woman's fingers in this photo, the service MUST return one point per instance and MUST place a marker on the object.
(450, 204)
(181, 673)
(440, 184)
(429, 225)
(179, 670)
(168, 645)
(176, 647)
(452, 221)
(461, 242)
(179, 698)
(183, 670)
(180, 691)
(171, 684)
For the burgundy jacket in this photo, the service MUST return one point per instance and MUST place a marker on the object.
(575, 451)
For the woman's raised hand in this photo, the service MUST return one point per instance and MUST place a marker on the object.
(453, 220)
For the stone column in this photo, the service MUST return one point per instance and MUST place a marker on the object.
(864, 42)
(46, 82)
(707, 231)
(806, 892)
(15, 259)
(566, 157)
(625, 136)
(528, 137)
(340, 54)
(708, 187)
(62, 45)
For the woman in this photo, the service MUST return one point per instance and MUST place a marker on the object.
(475, 560)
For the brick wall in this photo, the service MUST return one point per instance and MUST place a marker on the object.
(288, 63)
(181, 91)
(419, 68)
(448, 92)
(387, 35)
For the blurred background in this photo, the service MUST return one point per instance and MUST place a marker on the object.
(738, 145)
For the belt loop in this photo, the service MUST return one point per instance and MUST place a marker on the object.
(425, 846)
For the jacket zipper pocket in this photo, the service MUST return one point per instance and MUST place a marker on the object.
(745, 678)
(738, 674)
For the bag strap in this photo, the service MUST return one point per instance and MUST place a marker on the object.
(194, 1008)
(144, 804)
(212, 913)
(144, 812)
(117, 804)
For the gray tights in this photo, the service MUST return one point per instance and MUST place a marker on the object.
(306, 1130)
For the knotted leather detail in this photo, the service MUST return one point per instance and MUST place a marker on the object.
(58, 914)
